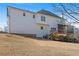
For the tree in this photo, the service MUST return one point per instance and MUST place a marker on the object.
(70, 10)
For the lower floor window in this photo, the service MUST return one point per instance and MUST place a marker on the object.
(41, 27)
(53, 29)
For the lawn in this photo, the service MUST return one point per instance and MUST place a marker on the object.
(15, 45)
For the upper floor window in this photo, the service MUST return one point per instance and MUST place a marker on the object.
(43, 18)
(23, 14)
(33, 16)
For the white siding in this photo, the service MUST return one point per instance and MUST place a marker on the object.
(49, 22)
(21, 24)
(28, 25)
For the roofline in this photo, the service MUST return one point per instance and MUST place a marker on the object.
(33, 12)
(50, 12)
(20, 9)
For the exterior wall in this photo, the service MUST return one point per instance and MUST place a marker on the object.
(21, 24)
(50, 22)
(76, 33)
(28, 25)
(70, 29)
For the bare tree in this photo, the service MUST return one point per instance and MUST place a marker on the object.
(70, 10)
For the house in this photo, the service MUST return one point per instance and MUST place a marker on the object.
(36, 24)
(70, 29)
(76, 33)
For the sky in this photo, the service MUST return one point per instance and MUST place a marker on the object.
(26, 6)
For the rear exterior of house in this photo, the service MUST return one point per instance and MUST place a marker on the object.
(37, 24)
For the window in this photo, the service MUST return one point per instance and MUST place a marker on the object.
(33, 16)
(42, 18)
(23, 14)
(41, 27)
(53, 29)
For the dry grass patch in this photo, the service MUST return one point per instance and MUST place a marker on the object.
(18, 45)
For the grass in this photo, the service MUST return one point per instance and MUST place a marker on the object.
(15, 45)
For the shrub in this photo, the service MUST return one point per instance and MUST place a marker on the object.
(67, 38)
(61, 38)
(53, 36)
(75, 40)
